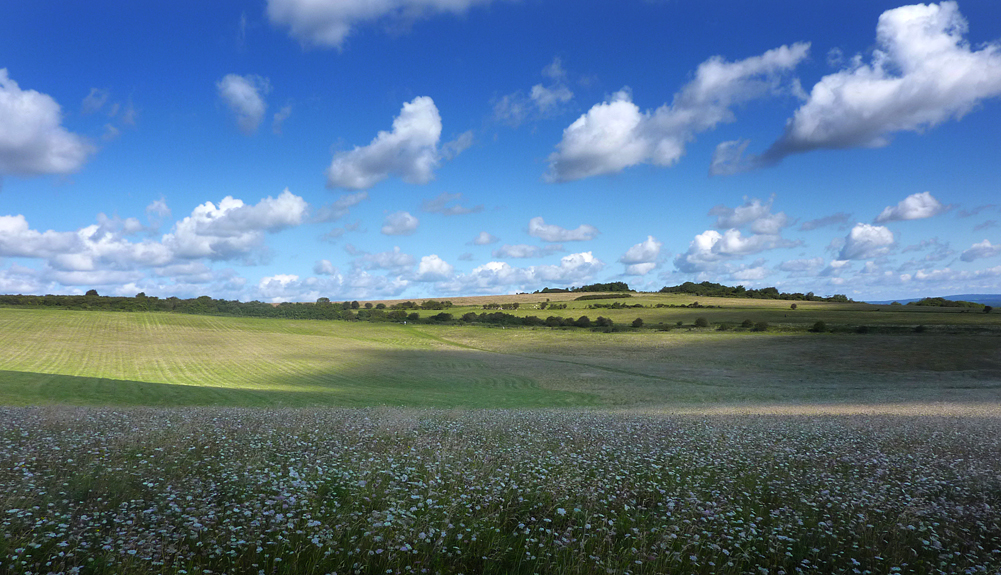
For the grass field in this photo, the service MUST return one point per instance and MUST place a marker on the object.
(106, 358)
(159, 443)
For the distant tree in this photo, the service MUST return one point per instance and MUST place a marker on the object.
(322, 300)
(380, 306)
(583, 321)
(368, 305)
(91, 292)
(919, 329)
(701, 322)
(355, 305)
(554, 321)
(638, 322)
(987, 309)
(793, 306)
(603, 322)
(679, 323)
(723, 326)
(761, 326)
(862, 329)
(747, 323)
(414, 317)
(819, 327)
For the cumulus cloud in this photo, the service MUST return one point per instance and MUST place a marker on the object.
(244, 95)
(923, 73)
(410, 151)
(642, 257)
(616, 134)
(982, 250)
(32, 139)
(433, 269)
(329, 24)
(913, 207)
(493, 276)
(400, 224)
(541, 101)
(440, 205)
(484, 238)
(324, 268)
(802, 265)
(838, 219)
(233, 228)
(710, 248)
(865, 241)
(537, 227)
(395, 261)
(754, 215)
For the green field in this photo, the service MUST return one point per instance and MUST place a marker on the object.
(161, 359)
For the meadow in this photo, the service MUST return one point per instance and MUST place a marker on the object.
(170, 443)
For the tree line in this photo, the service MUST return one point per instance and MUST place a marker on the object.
(711, 289)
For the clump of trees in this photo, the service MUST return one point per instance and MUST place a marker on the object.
(599, 287)
(942, 302)
(720, 290)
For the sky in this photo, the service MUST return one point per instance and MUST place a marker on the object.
(286, 150)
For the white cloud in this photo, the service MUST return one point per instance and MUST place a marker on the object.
(865, 241)
(245, 97)
(324, 268)
(923, 73)
(913, 207)
(233, 228)
(982, 250)
(409, 151)
(615, 134)
(340, 208)
(94, 100)
(542, 100)
(484, 238)
(710, 248)
(279, 118)
(642, 257)
(433, 269)
(573, 269)
(395, 261)
(537, 227)
(758, 217)
(32, 139)
(517, 251)
(400, 224)
(330, 23)
(802, 265)
(276, 288)
(838, 219)
(439, 205)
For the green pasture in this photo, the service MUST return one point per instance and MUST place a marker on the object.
(161, 359)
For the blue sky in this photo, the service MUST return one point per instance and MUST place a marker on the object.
(358, 149)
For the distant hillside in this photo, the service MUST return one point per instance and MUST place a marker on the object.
(981, 298)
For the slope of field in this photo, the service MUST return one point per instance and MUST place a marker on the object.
(101, 358)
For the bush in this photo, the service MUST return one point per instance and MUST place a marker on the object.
(819, 327)
(583, 321)
(862, 329)
(723, 327)
(919, 329)
(793, 306)
(987, 309)
(638, 322)
(760, 326)
(603, 322)
(680, 323)
(701, 322)
(747, 323)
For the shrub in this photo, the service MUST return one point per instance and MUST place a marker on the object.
(819, 327)
(680, 323)
(793, 306)
(987, 309)
(862, 329)
(701, 322)
(638, 322)
(747, 323)
(583, 321)
(760, 326)
(919, 329)
(723, 327)
(603, 322)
